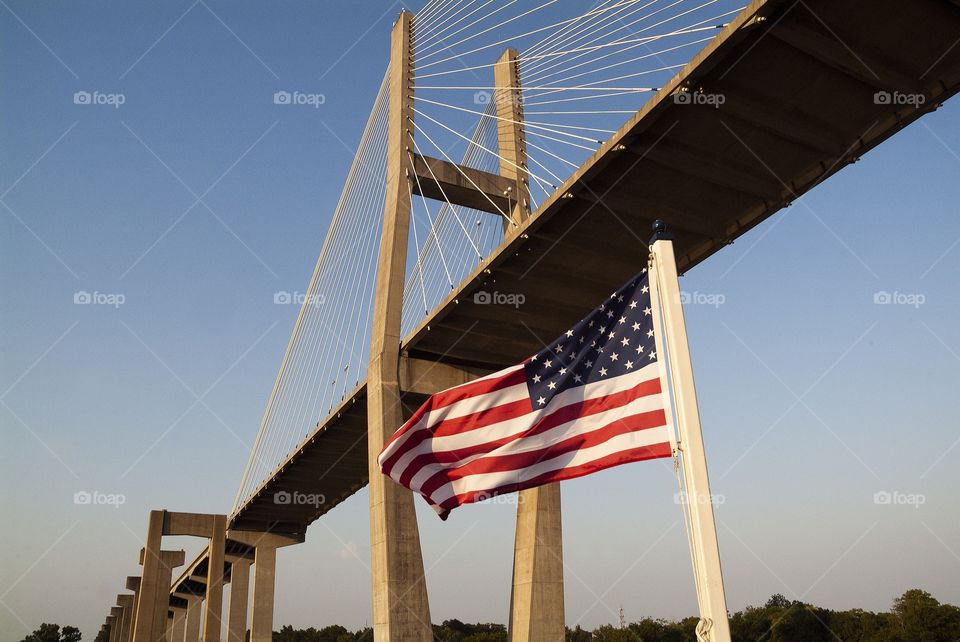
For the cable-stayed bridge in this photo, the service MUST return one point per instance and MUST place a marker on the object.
(511, 165)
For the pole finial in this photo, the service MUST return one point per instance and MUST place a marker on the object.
(660, 232)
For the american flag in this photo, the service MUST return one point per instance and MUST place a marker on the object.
(589, 400)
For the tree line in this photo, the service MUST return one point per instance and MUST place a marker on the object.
(915, 616)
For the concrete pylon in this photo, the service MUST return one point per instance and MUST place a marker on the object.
(265, 547)
(213, 610)
(536, 599)
(150, 586)
(125, 602)
(512, 146)
(113, 627)
(400, 607)
(191, 627)
(133, 584)
(166, 562)
(177, 627)
(239, 597)
(117, 614)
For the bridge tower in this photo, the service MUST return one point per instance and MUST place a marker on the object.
(400, 607)
(536, 596)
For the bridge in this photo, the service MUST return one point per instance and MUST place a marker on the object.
(458, 268)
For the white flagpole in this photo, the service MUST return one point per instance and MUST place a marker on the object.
(714, 625)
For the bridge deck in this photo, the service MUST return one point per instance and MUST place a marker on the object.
(798, 82)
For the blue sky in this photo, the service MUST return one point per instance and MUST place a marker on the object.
(198, 198)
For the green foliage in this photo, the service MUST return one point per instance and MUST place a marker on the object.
(915, 616)
(53, 633)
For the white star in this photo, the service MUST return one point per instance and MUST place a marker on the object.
(536, 378)
(635, 326)
(614, 356)
(581, 339)
(647, 310)
(649, 333)
(653, 355)
(603, 329)
(629, 365)
(633, 305)
(622, 320)
(569, 333)
(559, 348)
(611, 335)
(547, 363)
(563, 371)
(576, 378)
(589, 363)
(625, 342)
(552, 385)
(639, 349)
(644, 289)
(620, 299)
(603, 372)
(609, 313)
(541, 401)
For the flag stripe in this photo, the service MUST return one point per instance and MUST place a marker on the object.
(506, 460)
(611, 456)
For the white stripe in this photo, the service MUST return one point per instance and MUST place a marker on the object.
(489, 481)
(505, 428)
(555, 435)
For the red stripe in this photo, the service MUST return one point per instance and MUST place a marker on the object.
(459, 393)
(458, 425)
(654, 451)
(520, 461)
(560, 416)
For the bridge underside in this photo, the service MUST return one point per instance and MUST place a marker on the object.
(799, 85)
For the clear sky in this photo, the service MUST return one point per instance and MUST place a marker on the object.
(814, 397)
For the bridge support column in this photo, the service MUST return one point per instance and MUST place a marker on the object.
(537, 595)
(536, 602)
(213, 604)
(114, 627)
(117, 614)
(400, 607)
(150, 585)
(512, 146)
(191, 623)
(178, 625)
(265, 547)
(125, 602)
(239, 596)
(133, 584)
(151, 623)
